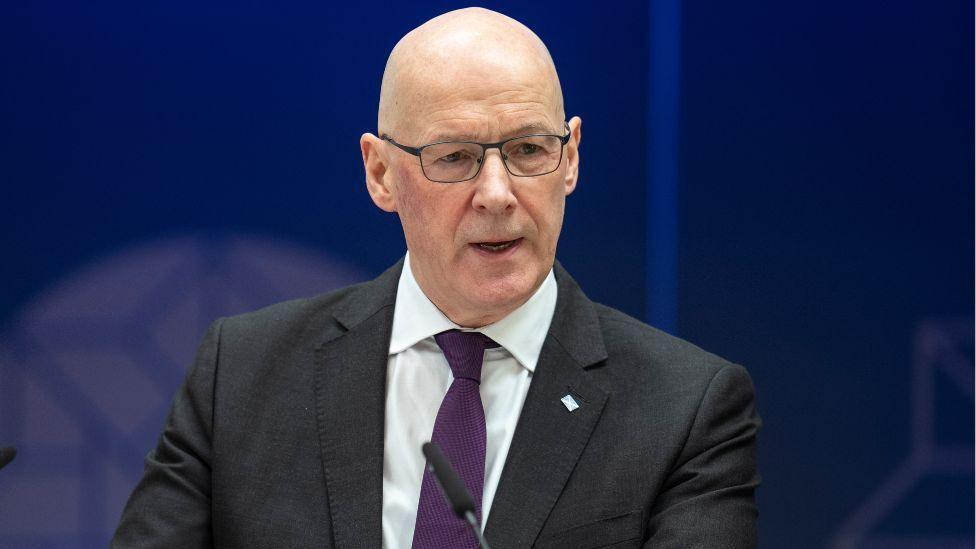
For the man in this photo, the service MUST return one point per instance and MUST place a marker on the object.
(572, 424)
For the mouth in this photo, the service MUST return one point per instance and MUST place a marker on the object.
(497, 247)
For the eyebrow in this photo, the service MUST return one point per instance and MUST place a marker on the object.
(524, 129)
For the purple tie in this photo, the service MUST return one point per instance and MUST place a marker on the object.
(460, 432)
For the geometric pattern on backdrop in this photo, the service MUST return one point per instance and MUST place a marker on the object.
(935, 480)
(88, 369)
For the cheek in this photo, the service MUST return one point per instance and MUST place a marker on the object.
(408, 199)
(424, 213)
(554, 224)
(547, 210)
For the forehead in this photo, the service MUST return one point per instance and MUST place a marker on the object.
(480, 99)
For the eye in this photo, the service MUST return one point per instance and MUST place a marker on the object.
(526, 149)
(453, 157)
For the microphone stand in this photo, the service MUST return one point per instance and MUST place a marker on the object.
(454, 491)
(472, 520)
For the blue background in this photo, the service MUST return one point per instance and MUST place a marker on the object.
(788, 185)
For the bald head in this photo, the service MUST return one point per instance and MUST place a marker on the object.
(460, 56)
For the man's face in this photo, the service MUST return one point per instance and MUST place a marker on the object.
(480, 248)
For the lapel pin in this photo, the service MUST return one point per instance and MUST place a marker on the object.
(569, 402)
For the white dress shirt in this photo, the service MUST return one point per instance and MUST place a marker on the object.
(418, 377)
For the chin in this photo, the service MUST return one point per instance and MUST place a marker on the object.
(502, 294)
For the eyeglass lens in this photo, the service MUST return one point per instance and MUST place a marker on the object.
(458, 161)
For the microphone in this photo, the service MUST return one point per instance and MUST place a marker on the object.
(7, 455)
(455, 493)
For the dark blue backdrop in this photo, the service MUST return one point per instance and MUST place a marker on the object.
(789, 185)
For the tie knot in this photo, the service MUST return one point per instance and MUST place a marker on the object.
(465, 352)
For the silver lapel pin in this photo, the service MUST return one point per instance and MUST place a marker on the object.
(569, 402)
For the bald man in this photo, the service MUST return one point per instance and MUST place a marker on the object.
(571, 424)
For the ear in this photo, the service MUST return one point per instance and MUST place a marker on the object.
(378, 172)
(572, 154)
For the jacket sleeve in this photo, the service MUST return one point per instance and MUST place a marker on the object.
(170, 507)
(708, 499)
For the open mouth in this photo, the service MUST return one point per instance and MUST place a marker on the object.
(497, 247)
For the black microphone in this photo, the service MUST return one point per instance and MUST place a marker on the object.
(7, 455)
(455, 493)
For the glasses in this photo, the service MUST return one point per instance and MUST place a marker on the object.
(456, 161)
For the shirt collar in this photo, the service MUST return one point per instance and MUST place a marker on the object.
(521, 333)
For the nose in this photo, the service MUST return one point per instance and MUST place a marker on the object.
(493, 193)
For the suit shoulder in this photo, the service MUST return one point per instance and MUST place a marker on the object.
(631, 341)
(294, 317)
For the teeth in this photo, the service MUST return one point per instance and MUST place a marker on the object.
(496, 247)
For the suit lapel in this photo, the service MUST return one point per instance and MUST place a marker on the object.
(550, 438)
(350, 389)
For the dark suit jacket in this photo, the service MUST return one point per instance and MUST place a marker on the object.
(276, 437)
